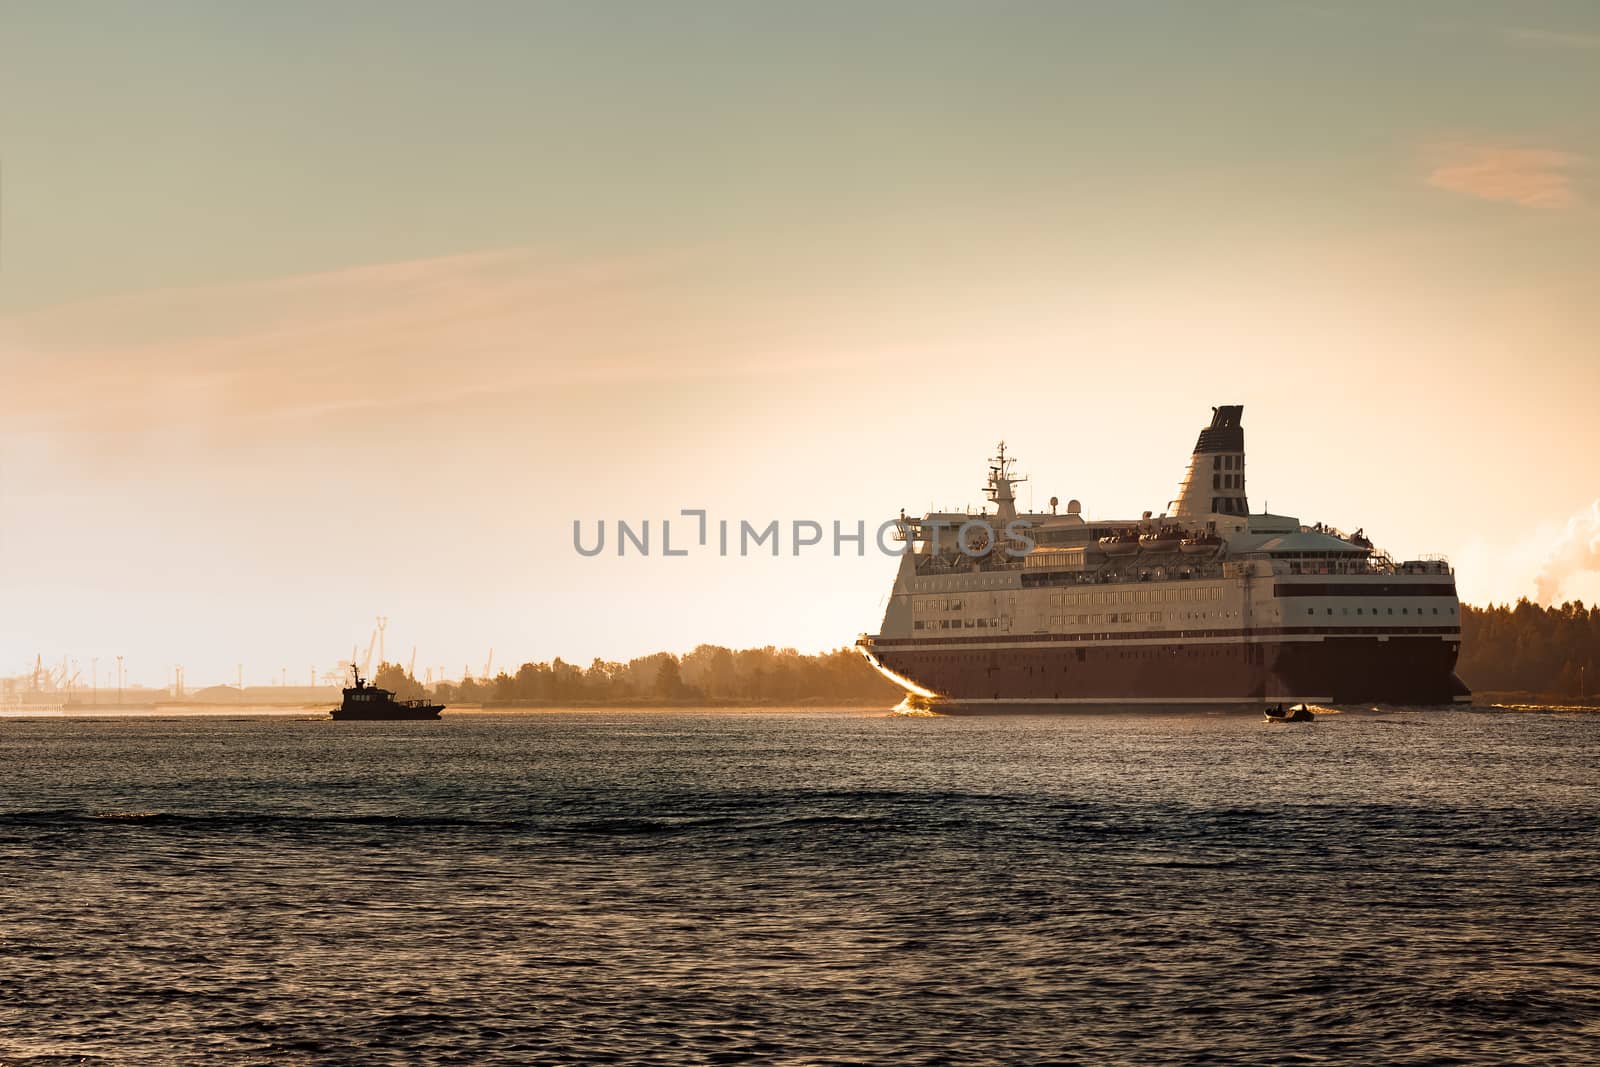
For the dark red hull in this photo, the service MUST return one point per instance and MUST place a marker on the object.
(985, 674)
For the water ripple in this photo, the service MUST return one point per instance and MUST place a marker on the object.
(807, 889)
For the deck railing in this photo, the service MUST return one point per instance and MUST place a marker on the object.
(1119, 571)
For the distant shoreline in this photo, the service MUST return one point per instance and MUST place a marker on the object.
(1506, 702)
(147, 709)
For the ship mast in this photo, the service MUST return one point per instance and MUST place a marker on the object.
(1000, 483)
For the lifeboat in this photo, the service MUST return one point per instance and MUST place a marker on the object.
(1159, 541)
(1200, 545)
(1122, 544)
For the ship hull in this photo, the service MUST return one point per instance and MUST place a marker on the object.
(399, 714)
(1222, 672)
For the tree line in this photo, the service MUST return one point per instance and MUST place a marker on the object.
(709, 674)
(1522, 648)
(1550, 652)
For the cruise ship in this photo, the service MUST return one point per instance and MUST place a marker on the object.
(1205, 605)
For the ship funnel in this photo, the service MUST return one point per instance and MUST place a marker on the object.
(1214, 484)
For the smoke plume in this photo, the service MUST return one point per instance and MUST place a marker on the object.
(1577, 551)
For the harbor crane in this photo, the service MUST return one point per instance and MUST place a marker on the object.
(366, 660)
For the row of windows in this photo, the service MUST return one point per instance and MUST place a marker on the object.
(1227, 481)
(1227, 463)
(1081, 655)
(1136, 596)
(956, 624)
(1061, 622)
(981, 582)
(1359, 611)
(1058, 622)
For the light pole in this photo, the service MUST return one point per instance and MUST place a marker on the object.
(94, 677)
(119, 679)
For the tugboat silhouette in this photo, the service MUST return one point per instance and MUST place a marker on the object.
(366, 701)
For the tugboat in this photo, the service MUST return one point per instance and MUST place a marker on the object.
(366, 701)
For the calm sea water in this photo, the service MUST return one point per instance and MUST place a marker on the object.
(806, 888)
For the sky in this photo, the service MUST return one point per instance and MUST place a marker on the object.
(313, 314)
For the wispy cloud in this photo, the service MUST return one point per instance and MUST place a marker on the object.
(1516, 36)
(436, 331)
(1531, 177)
(1551, 38)
(378, 333)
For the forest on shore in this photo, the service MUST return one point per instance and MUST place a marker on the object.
(1549, 653)
(710, 674)
(1545, 653)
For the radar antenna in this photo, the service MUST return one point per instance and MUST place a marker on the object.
(1000, 483)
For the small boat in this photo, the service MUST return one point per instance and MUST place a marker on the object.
(366, 701)
(1201, 544)
(1298, 713)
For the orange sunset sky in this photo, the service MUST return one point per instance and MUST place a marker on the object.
(309, 315)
